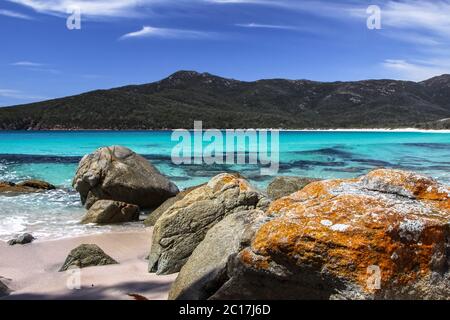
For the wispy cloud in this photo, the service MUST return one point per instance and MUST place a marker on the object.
(26, 64)
(35, 66)
(341, 9)
(17, 94)
(415, 70)
(425, 25)
(414, 38)
(418, 15)
(14, 14)
(92, 8)
(149, 32)
(431, 16)
(266, 26)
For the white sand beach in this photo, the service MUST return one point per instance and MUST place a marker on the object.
(31, 271)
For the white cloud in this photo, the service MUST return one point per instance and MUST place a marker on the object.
(35, 66)
(14, 14)
(92, 8)
(17, 94)
(431, 16)
(413, 38)
(26, 64)
(425, 26)
(419, 15)
(266, 26)
(415, 70)
(148, 32)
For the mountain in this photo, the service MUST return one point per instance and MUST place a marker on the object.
(175, 102)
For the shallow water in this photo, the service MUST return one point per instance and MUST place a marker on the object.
(53, 157)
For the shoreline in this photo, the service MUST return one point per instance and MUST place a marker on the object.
(399, 130)
(32, 271)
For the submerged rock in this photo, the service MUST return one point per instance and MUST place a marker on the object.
(110, 212)
(383, 236)
(36, 184)
(87, 255)
(184, 225)
(157, 213)
(22, 239)
(117, 173)
(206, 269)
(29, 186)
(284, 186)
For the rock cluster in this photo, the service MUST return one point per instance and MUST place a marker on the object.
(126, 179)
(117, 173)
(385, 235)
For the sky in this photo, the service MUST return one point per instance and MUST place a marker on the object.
(124, 42)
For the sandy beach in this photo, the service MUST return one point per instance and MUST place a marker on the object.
(31, 271)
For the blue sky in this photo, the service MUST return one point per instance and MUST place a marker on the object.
(125, 42)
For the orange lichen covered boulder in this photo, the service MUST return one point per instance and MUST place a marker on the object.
(385, 235)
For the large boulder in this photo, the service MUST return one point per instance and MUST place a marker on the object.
(87, 255)
(28, 186)
(158, 212)
(110, 212)
(184, 225)
(383, 236)
(206, 269)
(283, 186)
(117, 173)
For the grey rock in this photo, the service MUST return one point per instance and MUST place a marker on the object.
(158, 212)
(22, 239)
(283, 186)
(110, 212)
(87, 255)
(4, 290)
(117, 173)
(184, 225)
(206, 270)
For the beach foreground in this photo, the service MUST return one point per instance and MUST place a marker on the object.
(31, 271)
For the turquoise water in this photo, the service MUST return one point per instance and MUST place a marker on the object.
(53, 156)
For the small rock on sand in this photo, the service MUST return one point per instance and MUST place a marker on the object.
(22, 239)
(87, 255)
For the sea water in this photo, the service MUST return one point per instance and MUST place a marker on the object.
(54, 156)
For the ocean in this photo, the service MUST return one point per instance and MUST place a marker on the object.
(54, 156)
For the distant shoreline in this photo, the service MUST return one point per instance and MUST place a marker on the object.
(405, 130)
